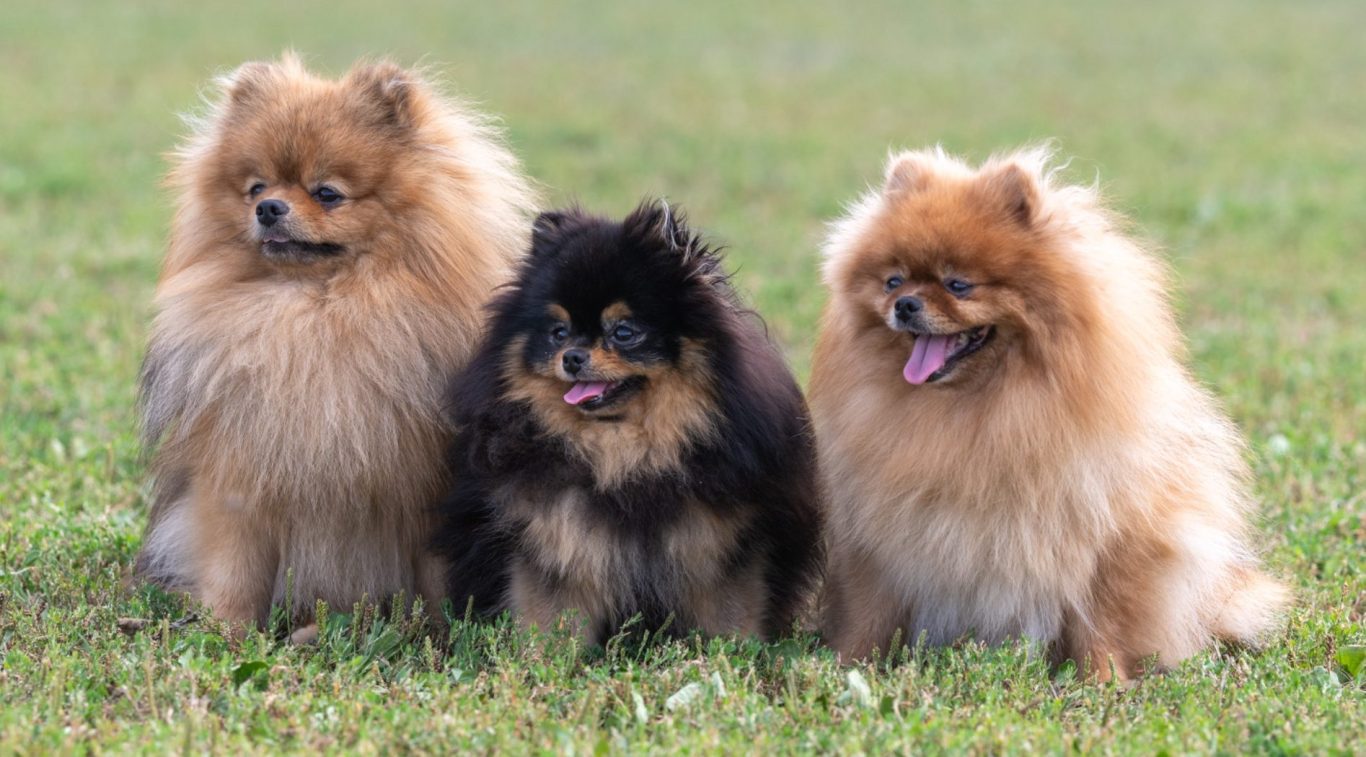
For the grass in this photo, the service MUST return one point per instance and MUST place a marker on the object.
(1230, 130)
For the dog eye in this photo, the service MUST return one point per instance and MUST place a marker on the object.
(957, 287)
(558, 333)
(326, 195)
(625, 334)
(256, 189)
(894, 283)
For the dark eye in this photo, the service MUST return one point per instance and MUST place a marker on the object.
(625, 334)
(256, 189)
(957, 287)
(894, 283)
(326, 195)
(558, 333)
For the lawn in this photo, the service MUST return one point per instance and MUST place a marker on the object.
(1233, 132)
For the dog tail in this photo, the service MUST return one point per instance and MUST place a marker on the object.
(1255, 609)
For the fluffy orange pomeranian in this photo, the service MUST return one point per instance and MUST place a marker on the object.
(1010, 444)
(332, 249)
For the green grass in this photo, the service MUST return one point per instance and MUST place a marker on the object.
(1230, 130)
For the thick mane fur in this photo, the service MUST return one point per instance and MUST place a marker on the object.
(1086, 443)
(743, 453)
(311, 401)
(1088, 376)
(739, 360)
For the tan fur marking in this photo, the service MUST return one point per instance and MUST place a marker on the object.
(699, 543)
(607, 365)
(558, 313)
(546, 609)
(615, 313)
(674, 409)
(564, 541)
(593, 572)
(734, 606)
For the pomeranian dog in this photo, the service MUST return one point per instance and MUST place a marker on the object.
(630, 444)
(1009, 442)
(328, 262)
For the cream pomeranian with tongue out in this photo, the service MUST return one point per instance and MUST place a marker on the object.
(1010, 445)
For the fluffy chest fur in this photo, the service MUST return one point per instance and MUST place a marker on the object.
(332, 245)
(622, 546)
(995, 534)
(295, 400)
(308, 426)
(992, 568)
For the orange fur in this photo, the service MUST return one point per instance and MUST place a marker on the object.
(1067, 483)
(294, 405)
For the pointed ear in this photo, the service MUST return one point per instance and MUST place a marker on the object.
(656, 219)
(1015, 191)
(907, 173)
(250, 82)
(644, 222)
(393, 91)
(547, 231)
(673, 228)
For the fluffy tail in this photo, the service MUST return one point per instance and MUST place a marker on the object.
(1254, 611)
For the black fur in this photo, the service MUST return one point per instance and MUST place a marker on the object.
(762, 459)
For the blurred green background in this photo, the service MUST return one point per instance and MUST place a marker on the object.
(1231, 131)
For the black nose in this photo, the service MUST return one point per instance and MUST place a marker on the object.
(574, 360)
(908, 306)
(270, 211)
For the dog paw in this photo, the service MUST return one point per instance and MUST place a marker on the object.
(306, 635)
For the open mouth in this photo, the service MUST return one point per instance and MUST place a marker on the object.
(591, 396)
(278, 245)
(935, 355)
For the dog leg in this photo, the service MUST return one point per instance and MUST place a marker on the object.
(549, 608)
(236, 561)
(430, 579)
(860, 614)
(306, 635)
(734, 606)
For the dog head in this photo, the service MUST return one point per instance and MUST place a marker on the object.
(947, 270)
(290, 172)
(614, 321)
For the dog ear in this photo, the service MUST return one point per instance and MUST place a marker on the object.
(907, 173)
(393, 91)
(643, 223)
(547, 231)
(1014, 190)
(674, 228)
(655, 219)
(252, 81)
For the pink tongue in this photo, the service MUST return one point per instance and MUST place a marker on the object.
(584, 391)
(929, 355)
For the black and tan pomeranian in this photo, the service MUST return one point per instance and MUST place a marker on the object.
(334, 244)
(630, 443)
